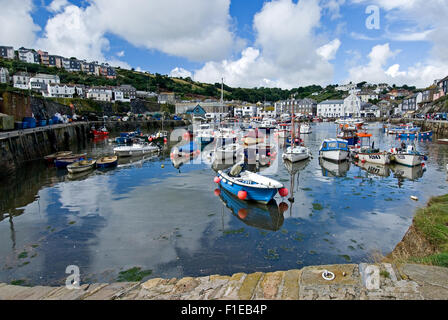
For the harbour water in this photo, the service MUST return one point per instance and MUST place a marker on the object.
(173, 221)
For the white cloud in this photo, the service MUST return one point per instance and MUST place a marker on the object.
(377, 70)
(284, 53)
(328, 51)
(57, 5)
(17, 27)
(180, 73)
(120, 54)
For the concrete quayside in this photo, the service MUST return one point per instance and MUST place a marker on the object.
(351, 282)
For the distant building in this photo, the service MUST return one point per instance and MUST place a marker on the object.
(441, 88)
(248, 111)
(330, 108)
(7, 52)
(56, 90)
(28, 56)
(21, 80)
(352, 106)
(44, 58)
(100, 94)
(366, 96)
(145, 94)
(55, 61)
(4, 75)
(72, 65)
(306, 107)
(168, 97)
(40, 82)
(129, 92)
(346, 87)
(411, 102)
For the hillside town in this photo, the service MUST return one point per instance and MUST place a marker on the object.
(358, 100)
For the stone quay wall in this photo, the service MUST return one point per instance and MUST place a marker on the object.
(351, 282)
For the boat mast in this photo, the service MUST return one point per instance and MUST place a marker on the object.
(222, 96)
(292, 123)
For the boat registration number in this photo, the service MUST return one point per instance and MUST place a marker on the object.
(374, 156)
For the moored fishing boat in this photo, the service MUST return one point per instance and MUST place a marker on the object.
(107, 162)
(305, 129)
(99, 133)
(81, 166)
(407, 156)
(229, 151)
(334, 149)
(63, 162)
(50, 158)
(248, 185)
(367, 153)
(135, 150)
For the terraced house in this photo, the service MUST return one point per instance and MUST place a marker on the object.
(7, 52)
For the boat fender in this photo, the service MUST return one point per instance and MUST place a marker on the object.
(242, 195)
(283, 192)
(425, 158)
(217, 180)
(327, 275)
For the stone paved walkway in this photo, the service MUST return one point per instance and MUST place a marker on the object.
(351, 282)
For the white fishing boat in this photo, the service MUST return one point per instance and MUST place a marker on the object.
(368, 153)
(409, 157)
(334, 149)
(295, 153)
(305, 129)
(135, 150)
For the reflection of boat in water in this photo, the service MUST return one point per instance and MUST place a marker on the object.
(180, 161)
(294, 167)
(260, 216)
(405, 172)
(134, 161)
(334, 168)
(79, 176)
(375, 168)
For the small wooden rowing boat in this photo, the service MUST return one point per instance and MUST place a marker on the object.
(107, 162)
(81, 166)
(50, 158)
(63, 162)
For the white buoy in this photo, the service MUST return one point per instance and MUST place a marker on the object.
(414, 198)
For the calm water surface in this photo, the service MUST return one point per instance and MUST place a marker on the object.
(172, 221)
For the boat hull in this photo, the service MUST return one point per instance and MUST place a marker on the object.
(335, 155)
(253, 194)
(74, 169)
(378, 158)
(410, 160)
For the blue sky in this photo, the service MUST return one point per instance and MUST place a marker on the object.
(246, 42)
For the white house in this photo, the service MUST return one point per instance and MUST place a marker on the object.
(28, 56)
(365, 96)
(41, 81)
(330, 109)
(55, 90)
(267, 114)
(352, 106)
(21, 80)
(246, 111)
(4, 75)
(100, 94)
(346, 87)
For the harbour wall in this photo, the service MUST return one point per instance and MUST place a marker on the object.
(438, 127)
(20, 146)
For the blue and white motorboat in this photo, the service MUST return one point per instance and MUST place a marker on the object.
(334, 149)
(248, 185)
(107, 162)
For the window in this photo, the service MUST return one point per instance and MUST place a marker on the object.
(332, 145)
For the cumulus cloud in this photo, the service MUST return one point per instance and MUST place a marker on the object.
(180, 73)
(377, 70)
(17, 27)
(286, 52)
(57, 5)
(411, 20)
